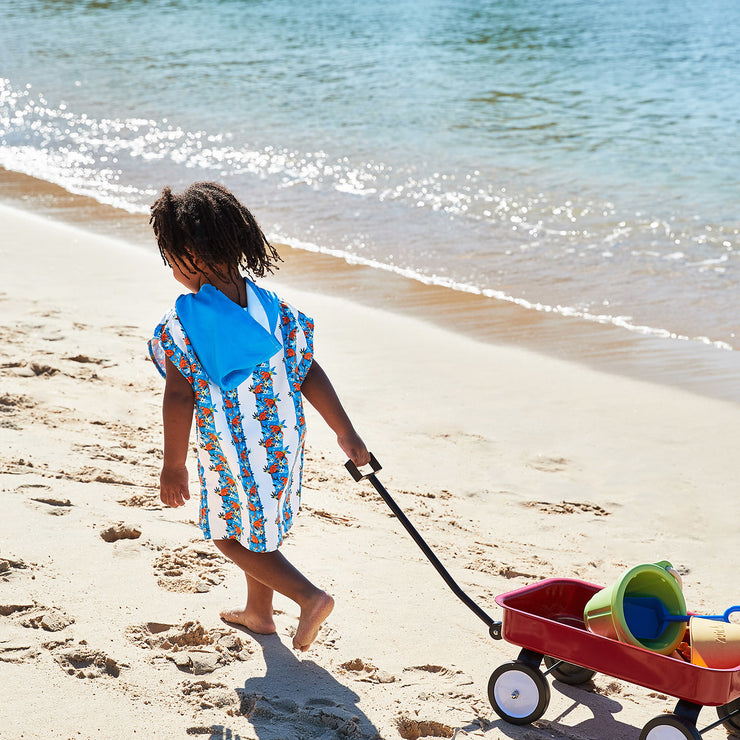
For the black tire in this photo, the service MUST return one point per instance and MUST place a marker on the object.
(568, 673)
(669, 727)
(731, 724)
(518, 693)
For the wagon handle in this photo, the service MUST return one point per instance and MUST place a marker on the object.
(357, 474)
(494, 627)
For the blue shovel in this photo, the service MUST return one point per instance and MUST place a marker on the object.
(646, 616)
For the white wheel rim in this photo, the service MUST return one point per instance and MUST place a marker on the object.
(516, 693)
(665, 732)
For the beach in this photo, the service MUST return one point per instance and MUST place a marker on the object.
(515, 466)
(576, 165)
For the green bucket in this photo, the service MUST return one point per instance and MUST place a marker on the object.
(604, 613)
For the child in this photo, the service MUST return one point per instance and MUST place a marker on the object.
(242, 359)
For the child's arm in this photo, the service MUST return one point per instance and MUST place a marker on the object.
(320, 393)
(177, 415)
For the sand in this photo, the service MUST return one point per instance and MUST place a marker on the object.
(514, 466)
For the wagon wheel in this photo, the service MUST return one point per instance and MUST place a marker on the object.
(669, 727)
(568, 672)
(730, 721)
(518, 693)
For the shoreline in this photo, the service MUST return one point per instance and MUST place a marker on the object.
(551, 470)
(679, 363)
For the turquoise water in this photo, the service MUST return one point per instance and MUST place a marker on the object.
(577, 157)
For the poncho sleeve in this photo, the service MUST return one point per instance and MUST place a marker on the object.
(169, 342)
(297, 330)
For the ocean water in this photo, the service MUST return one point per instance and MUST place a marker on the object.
(577, 158)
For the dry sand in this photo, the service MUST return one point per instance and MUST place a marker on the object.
(515, 467)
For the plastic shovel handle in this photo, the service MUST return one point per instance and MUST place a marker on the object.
(725, 617)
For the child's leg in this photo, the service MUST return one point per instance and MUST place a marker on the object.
(257, 614)
(275, 572)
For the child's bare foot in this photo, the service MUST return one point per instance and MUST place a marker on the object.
(312, 617)
(258, 623)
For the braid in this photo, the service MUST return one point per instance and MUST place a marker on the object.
(207, 222)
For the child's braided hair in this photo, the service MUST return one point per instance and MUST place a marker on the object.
(207, 222)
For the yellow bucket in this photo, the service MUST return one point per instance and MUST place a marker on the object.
(604, 613)
(714, 644)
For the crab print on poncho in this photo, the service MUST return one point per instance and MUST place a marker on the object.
(250, 438)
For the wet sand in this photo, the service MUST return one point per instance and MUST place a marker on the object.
(689, 365)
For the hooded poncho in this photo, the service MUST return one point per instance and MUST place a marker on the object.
(246, 367)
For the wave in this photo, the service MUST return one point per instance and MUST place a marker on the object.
(623, 322)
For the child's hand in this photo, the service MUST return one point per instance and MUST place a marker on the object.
(173, 486)
(354, 448)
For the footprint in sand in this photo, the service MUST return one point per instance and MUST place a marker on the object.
(10, 403)
(207, 695)
(456, 680)
(11, 335)
(7, 610)
(17, 650)
(613, 688)
(49, 504)
(84, 662)
(193, 648)
(367, 671)
(51, 620)
(54, 506)
(456, 694)
(40, 370)
(125, 330)
(327, 637)
(9, 568)
(10, 407)
(25, 369)
(442, 493)
(96, 452)
(35, 616)
(84, 359)
(567, 507)
(16, 467)
(89, 474)
(120, 531)
(150, 502)
(321, 701)
(32, 487)
(286, 718)
(500, 569)
(412, 729)
(193, 568)
(548, 464)
(329, 517)
(438, 669)
(358, 664)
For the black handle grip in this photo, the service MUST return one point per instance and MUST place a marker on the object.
(357, 474)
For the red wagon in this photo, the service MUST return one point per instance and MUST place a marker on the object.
(545, 620)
